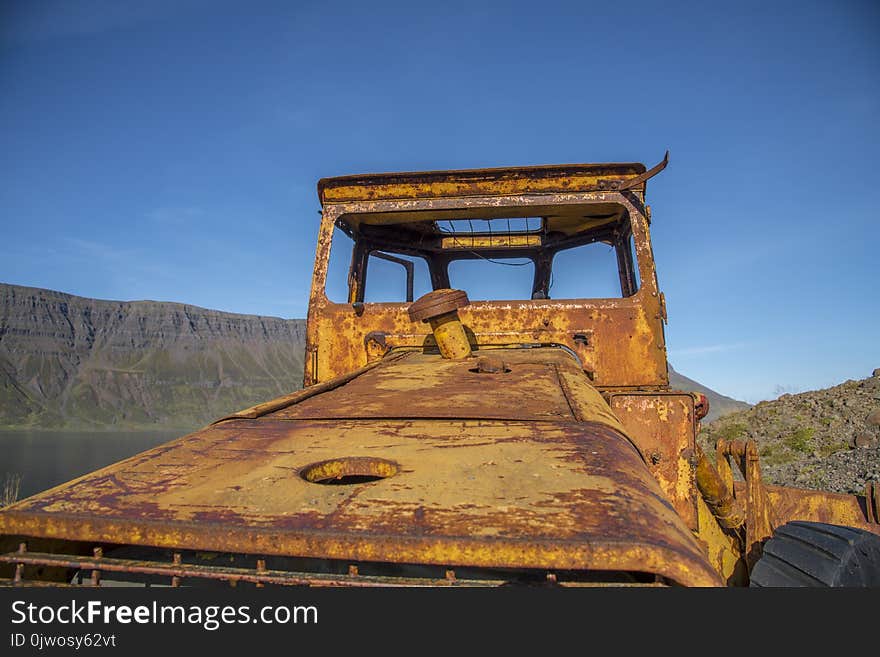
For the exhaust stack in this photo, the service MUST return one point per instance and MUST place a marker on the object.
(440, 309)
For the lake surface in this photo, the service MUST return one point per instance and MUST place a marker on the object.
(48, 458)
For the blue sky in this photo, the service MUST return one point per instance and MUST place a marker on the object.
(170, 150)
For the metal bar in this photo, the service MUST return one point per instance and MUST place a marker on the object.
(19, 565)
(407, 264)
(723, 464)
(623, 270)
(357, 277)
(255, 576)
(872, 502)
(261, 576)
(177, 560)
(719, 498)
(96, 572)
(5, 582)
(493, 246)
(760, 518)
(542, 276)
(644, 177)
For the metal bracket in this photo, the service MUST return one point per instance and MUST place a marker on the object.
(872, 502)
(760, 519)
(644, 177)
(376, 345)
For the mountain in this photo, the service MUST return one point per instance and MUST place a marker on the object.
(71, 362)
(823, 439)
(718, 404)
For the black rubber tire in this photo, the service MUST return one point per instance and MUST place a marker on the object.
(816, 554)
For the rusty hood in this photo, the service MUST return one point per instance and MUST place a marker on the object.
(560, 492)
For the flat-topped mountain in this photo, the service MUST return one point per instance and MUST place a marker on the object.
(72, 362)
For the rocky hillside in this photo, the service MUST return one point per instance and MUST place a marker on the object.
(823, 439)
(71, 362)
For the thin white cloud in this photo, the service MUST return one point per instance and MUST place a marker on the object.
(117, 262)
(706, 349)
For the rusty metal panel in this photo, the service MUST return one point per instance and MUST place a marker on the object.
(479, 493)
(816, 505)
(427, 386)
(342, 332)
(663, 427)
(466, 242)
(479, 182)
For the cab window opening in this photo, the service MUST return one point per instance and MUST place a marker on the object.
(585, 252)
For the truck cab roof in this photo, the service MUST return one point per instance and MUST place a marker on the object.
(479, 182)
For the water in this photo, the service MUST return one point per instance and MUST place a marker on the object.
(48, 458)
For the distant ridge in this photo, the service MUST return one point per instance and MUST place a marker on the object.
(73, 362)
(719, 404)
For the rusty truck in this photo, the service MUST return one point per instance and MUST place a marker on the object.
(455, 440)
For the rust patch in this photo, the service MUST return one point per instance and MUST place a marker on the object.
(663, 426)
(429, 386)
(408, 185)
(819, 506)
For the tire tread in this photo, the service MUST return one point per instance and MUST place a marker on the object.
(802, 553)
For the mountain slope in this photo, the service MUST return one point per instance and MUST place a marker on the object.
(72, 362)
(718, 404)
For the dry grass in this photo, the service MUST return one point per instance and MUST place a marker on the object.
(9, 491)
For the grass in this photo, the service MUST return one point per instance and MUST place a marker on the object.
(732, 431)
(831, 448)
(9, 491)
(775, 455)
(800, 440)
